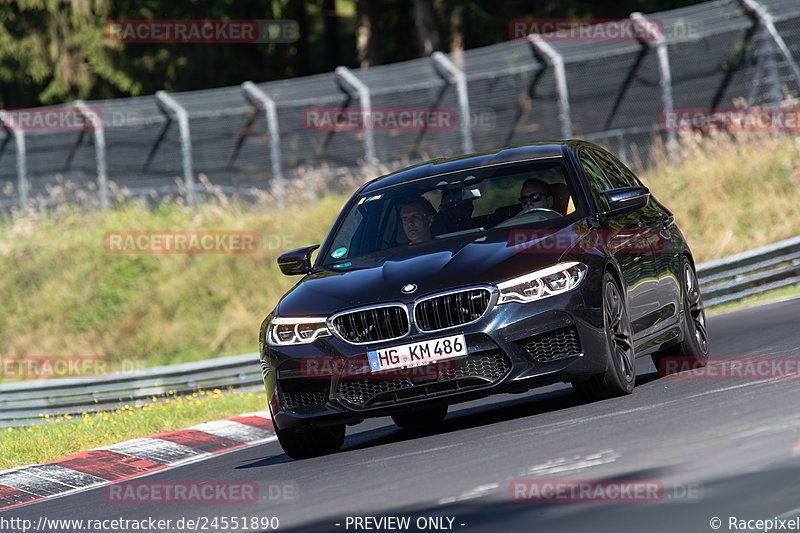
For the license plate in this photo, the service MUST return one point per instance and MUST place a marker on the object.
(417, 354)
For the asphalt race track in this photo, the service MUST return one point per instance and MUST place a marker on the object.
(714, 447)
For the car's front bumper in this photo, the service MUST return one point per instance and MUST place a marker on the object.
(513, 348)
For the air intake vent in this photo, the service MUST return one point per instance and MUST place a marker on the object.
(477, 370)
(553, 345)
(303, 392)
(451, 309)
(372, 324)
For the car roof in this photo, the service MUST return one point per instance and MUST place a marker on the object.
(510, 154)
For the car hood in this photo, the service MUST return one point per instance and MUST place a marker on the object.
(433, 267)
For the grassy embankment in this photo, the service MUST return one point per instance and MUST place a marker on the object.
(63, 294)
(61, 436)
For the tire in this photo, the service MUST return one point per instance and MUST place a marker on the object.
(692, 351)
(312, 443)
(619, 378)
(426, 418)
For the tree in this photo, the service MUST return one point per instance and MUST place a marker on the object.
(427, 27)
(367, 48)
(331, 21)
(51, 52)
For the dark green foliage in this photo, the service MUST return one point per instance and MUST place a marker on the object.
(54, 51)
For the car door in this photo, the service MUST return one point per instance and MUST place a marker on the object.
(622, 235)
(666, 240)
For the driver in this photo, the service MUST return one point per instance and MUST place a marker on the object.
(535, 193)
(417, 216)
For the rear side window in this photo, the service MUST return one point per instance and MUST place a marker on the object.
(596, 179)
(626, 172)
(615, 176)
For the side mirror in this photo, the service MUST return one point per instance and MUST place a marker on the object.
(297, 261)
(626, 199)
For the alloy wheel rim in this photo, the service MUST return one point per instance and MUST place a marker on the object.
(619, 330)
(696, 309)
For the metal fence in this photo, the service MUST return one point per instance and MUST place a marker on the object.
(251, 138)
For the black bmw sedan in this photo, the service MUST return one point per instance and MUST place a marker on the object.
(488, 273)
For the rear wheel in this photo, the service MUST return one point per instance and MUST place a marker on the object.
(620, 375)
(311, 443)
(428, 417)
(692, 351)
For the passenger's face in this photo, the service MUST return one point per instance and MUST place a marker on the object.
(416, 223)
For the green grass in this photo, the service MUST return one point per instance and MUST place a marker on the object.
(57, 437)
(729, 198)
(63, 294)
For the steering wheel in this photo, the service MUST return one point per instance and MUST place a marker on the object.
(541, 210)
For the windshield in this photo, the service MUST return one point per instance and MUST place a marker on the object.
(471, 202)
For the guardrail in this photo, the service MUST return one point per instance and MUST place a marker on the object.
(724, 280)
(22, 402)
(749, 273)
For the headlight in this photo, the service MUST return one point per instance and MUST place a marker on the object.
(284, 331)
(549, 281)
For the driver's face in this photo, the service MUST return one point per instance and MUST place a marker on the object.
(416, 223)
(542, 198)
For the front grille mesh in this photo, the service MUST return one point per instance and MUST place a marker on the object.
(488, 366)
(553, 345)
(303, 392)
(469, 372)
(452, 309)
(359, 391)
(372, 325)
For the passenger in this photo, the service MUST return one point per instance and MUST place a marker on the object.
(535, 193)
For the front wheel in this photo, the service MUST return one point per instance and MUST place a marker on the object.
(692, 351)
(620, 375)
(311, 443)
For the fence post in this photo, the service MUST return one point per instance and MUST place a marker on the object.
(22, 164)
(764, 17)
(460, 80)
(169, 106)
(665, 77)
(99, 149)
(261, 99)
(557, 62)
(346, 75)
